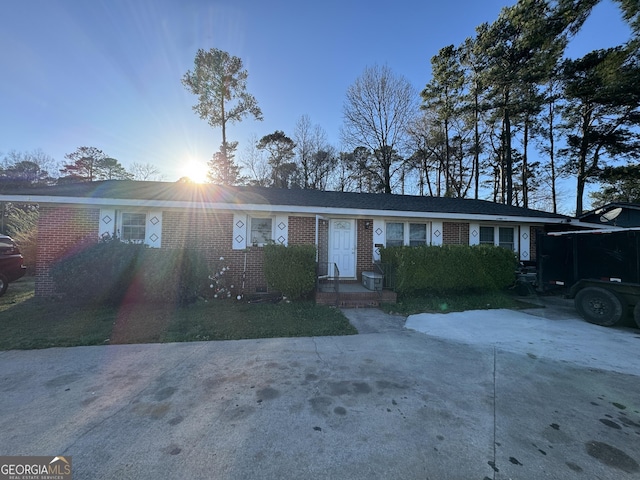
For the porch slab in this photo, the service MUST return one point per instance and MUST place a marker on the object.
(353, 295)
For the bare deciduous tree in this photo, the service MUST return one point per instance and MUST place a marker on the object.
(378, 108)
(146, 172)
(255, 164)
(315, 157)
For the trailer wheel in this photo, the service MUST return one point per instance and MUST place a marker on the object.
(636, 314)
(599, 306)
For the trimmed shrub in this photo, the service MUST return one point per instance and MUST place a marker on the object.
(450, 268)
(98, 272)
(176, 276)
(111, 272)
(290, 270)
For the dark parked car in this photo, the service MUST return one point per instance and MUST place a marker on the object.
(11, 263)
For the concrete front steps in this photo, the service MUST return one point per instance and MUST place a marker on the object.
(353, 295)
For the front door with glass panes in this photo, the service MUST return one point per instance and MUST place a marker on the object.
(342, 250)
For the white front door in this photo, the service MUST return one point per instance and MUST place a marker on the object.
(342, 249)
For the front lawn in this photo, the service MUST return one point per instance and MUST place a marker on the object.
(28, 322)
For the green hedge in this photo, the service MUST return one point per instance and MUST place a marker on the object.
(450, 268)
(110, 272)
(177, 276)
(290, 270)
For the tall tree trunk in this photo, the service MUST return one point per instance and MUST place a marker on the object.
(224, 168)
(525, 166)
(552, 158)
(582, 161)
(426, 176)
(507, 148)
(580, 188)
(387, 177)
(476, 146)
(447, 167)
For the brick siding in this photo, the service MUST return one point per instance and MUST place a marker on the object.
(61, 232)
(365, 246)
(211, 232)
(533, 235)
(455, 233)
(323, 241)
(64, 230)
(302, 230)
(207, 231)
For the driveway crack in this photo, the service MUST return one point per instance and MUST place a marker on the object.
(494, 415)
(313, 339)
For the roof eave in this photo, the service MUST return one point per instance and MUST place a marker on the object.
(265, 208)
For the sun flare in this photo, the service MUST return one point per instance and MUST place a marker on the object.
(196, 171)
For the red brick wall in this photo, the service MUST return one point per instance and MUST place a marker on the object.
(365, 246)
(254, 280)
(64, 230)
(455, 233)
(533, 232)
(61, 232)
(302, 230)
(205, 230)
(323, 241)
(212, 233)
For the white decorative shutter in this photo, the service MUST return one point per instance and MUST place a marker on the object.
(107, 223)
(474, 234)
(436, 233)
(282, 230)
(378, 238)
(525, 243)
(239, 231)
(153, 230)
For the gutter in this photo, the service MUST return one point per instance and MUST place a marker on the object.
(264, 208)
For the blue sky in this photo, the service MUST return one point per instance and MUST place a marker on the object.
(106, 73)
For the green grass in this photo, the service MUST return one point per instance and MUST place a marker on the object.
(18, 292)
(454, 303)
(28, 322)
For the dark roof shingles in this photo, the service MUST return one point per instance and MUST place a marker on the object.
(206, 193)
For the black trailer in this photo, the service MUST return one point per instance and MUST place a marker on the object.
(599, 269)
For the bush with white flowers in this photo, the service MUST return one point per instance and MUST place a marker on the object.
(218, 281)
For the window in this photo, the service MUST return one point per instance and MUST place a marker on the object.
(261, 231)
(417, 234)
(395, 234)
(505, 238)
(133, 227)
(412, 234)
(486, 236)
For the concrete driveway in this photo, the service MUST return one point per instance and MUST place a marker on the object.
(554, 332)
(392, 403)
